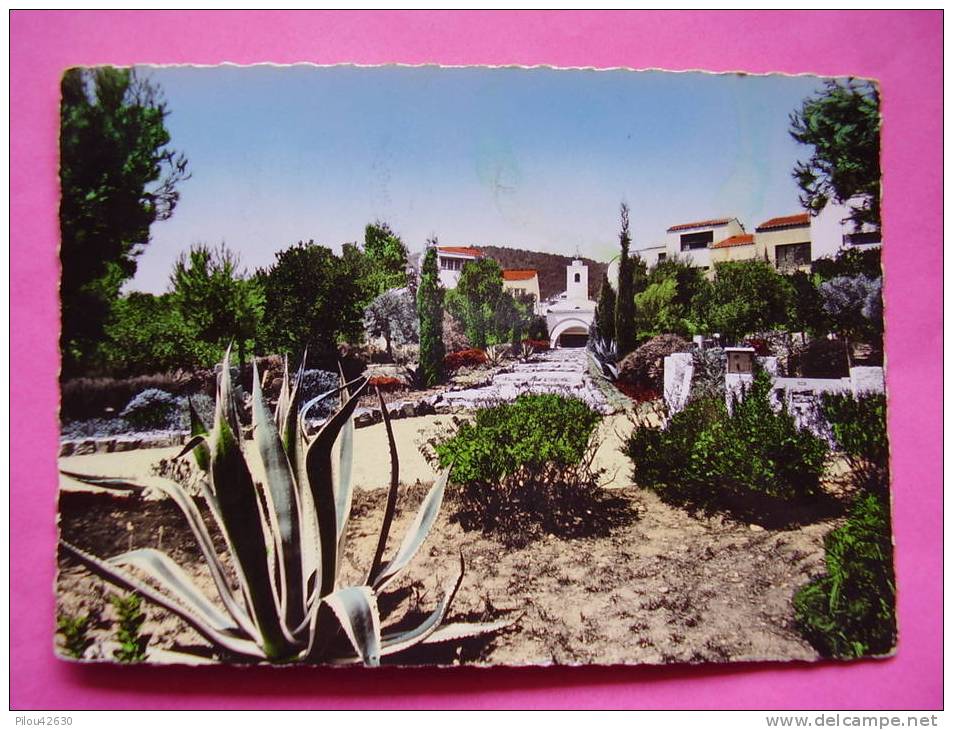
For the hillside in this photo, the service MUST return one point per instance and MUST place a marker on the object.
(551, 268)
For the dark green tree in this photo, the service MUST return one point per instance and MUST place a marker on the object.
(215, 299)
(117, 177)
(806, 312)
(147, 334)
(605, 311)
(312, 298)
(430, 314)
(479, 302)
(387, 258)
(847, 262)
(625, 303)
(842, 124)
(744, 297)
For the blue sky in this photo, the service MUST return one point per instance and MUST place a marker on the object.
(531, 158)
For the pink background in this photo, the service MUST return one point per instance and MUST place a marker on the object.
(901, 49)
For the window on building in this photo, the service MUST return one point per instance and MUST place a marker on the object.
(576, 278)
(691, 241)
(662, 257)
(792, 255)
(860, 239)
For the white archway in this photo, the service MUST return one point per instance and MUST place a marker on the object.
(570, 325)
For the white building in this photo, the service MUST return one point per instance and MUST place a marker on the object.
(693, 241)
(522, 282)
(450, 261)
(568, 315)
(832, 230)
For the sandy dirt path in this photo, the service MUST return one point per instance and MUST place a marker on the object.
(371, 459)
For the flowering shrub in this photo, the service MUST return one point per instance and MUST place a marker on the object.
(387, 384)
(464, 358)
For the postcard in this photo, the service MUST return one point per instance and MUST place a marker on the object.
(471, 366)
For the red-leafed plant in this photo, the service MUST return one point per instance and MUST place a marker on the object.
(637, 393)
(537, 345)
(464, 358)
(386, 383)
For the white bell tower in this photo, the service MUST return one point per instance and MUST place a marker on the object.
(577, 281)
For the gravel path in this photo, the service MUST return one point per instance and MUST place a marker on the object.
(564, 371)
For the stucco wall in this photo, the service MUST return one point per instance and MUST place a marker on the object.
(766, 241)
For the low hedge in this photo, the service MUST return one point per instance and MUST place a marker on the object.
(753, 462)
(519, 469)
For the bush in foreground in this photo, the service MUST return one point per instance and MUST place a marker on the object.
(521, 468)
(753, 463)
(859, 426)
(849, 612)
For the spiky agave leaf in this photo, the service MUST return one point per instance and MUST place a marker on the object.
(198, 428)
(203, 539)
(282, 505)
(416, 534)
(320, 484)
(172, 577)
(355, 611)
(391, 505)
(242, 523)
(397, 641)
(121, 578)
(344, 488)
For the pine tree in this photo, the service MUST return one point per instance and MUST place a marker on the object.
(605, 311)
(625, 302)
(430, 312)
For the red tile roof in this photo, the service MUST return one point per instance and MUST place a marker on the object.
(785, 221)
(701, 224)
(744, 240)
(518, 274)
(461, 250)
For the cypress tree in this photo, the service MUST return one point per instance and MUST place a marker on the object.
(605, 311)
(430, 314)
(625, 300)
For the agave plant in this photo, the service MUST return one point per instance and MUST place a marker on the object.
(283, 516)
(526, 352)
(604, 353)
(495, 354)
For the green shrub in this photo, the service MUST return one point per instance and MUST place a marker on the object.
(850, 612)
(75, 632)
(521, 467)
(859, 426)
(132, 643)
(753, 462)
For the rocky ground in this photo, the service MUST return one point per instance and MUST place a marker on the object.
(655, 584)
